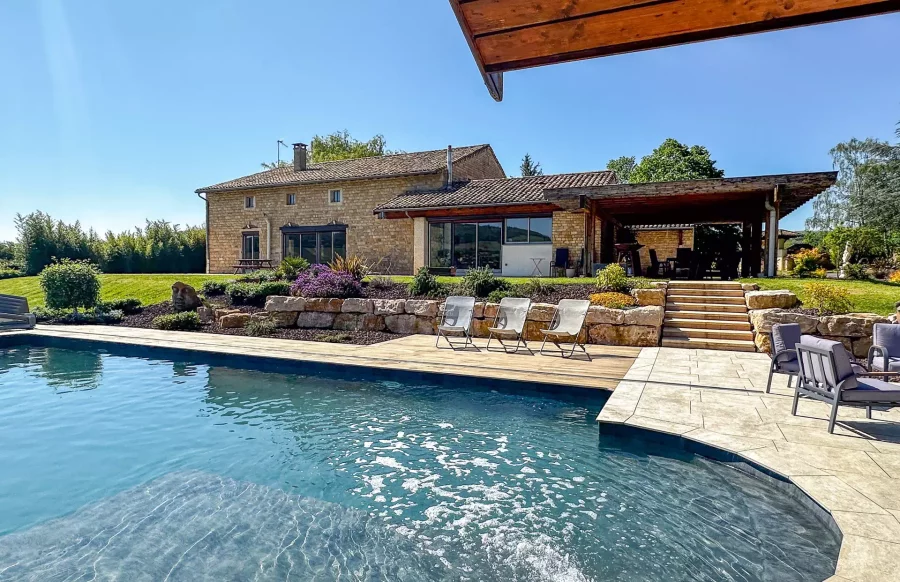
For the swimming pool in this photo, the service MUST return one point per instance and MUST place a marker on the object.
(146, 468)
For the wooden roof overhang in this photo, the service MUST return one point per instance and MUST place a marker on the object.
(695, 201)
(505, 35)
(494, 210)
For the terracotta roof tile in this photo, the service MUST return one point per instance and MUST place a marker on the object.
(408, 164)
(497, 191)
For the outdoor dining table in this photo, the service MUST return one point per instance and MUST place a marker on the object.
(244, 265)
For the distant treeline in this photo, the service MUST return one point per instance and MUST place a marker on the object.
(159, 247)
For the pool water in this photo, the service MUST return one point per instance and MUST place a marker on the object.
(131, 468)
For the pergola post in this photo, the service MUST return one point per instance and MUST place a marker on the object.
(772, 232)
(756, 247)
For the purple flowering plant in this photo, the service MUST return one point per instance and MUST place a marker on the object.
(321, 281)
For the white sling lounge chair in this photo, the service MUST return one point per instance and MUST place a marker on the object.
(510, 322)
(567, 323)
(14, 313)
(457, 318)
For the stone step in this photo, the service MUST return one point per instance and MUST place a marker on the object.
(708, 292)
(716, 315)
(701, 323)
(672, 332)
(705, 285)
(690, 306)
(709, 344)
(704, 299)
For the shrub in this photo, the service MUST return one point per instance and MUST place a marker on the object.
(497, 294)
(259, 276)
(612, 278)
(381, 282)
(613, 300)
(807, 263)
(128, 306)
(94, 316)
(255, 293)
(424, 284)
(10, 273)
(290, 267)
(260, 327)
(481, 282)
(70, 284)
(184, 321)
(856, 271)
(894, 277)
(336, 338)
(210, 288)
(321, 281)
(536, 286)
(354, 265)
(828, 297)
(638, 283)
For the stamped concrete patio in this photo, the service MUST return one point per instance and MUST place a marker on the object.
(718, 399)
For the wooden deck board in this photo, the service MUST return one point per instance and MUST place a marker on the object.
(414, 353)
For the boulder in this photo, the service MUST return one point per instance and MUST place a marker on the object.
(184, 297)
(848, 343)
(389, 306)
(425, 325)
(624, 335)
(480, 327)
(541, 312)
(762, 320)
(346, 321)
(479, 309)
(206, 314)
(749, 286)
(234, 320)
(763, 342)
(222, 312)
(650, 316)
(490, 310)
(402, 324)
(284, 303)
(283, 318)
(850, 325)
(598, 314)
(315, 319)
(861, 346)
(769, 299)
(532, 330)
(356, 305)
(370, 322)
(421, 307)
(894, 318)
(650, 296)
(324, 305)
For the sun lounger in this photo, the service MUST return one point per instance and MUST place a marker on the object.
(510, 322)
(456, 318)
(14, 313)
(566, 325)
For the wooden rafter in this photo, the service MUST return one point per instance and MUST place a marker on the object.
(512, 34)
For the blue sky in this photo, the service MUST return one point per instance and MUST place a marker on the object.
(112, 112)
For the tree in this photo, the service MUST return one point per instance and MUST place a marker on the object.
(276, 164)
(673, 160)
(623, 167)
(530, 167)
(340, 145)
(7, 250)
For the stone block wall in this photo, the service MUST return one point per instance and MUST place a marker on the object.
(480, 165)
(568, 232)
(664, 242)
(639, 326)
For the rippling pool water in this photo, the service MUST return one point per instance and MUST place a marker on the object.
(142, 469)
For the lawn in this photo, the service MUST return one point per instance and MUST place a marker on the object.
(149, 289)
(867, 296)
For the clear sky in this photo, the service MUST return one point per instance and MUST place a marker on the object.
(112, 112)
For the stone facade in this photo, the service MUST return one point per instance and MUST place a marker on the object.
(633, 327)
(568, 232)
(664, 242)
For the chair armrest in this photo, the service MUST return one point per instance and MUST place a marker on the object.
(883, 354)
(779, 356)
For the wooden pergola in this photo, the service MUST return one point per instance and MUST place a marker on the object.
(750, 201)
(505, 35)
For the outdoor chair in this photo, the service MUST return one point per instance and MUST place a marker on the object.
(884, 355)
(827, 375)
(510, 322)
(566, 324)
(784, 338)
(456, 318)
(683, 263)
(656, 268)
(14, 313)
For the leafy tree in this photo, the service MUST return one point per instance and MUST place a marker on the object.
(41, 239)
(340, 145)
(673, 160)
(623, 167)
(7, 250)
(530, 167)
(276, 164)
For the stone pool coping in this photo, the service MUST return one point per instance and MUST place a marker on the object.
(713, 403)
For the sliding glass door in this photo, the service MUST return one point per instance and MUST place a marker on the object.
(490, 235)
(316, 247)
(465, 245)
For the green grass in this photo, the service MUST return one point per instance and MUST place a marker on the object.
(149, 289)
(867, 296)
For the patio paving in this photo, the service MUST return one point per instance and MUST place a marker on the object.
(718, 399)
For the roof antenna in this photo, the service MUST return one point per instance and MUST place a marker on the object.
(278, 155)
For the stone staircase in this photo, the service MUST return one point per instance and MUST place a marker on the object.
(710, 315)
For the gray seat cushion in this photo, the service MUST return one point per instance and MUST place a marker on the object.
(872, 390)
(788, 367)
(878, 364)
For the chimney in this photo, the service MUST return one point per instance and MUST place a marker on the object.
(449, 167)
(299, 157)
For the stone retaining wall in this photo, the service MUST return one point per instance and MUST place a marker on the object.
(854, 330)
(639, 326)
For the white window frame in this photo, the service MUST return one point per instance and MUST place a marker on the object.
(252, 202)
(291, 200)
(340, 196)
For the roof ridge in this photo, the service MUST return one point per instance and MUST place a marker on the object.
(544, 176)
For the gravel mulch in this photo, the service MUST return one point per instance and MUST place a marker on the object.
(809, 311)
